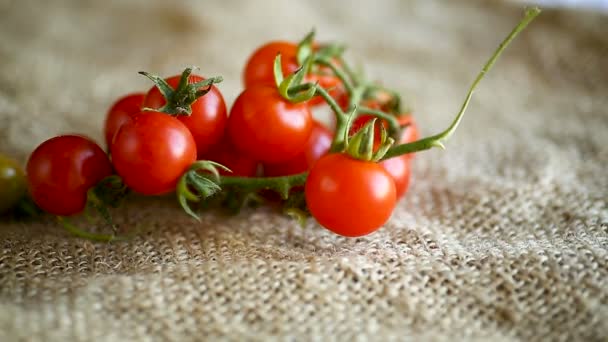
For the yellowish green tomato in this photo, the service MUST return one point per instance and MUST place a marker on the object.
(13, 185)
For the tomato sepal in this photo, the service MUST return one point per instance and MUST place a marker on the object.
(291, 87)
(202, 185)
(180, 99)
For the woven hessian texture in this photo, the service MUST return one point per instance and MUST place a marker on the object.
(503, 236)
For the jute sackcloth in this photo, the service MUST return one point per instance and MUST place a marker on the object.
(503, 236)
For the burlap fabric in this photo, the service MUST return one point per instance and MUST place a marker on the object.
(503, 236)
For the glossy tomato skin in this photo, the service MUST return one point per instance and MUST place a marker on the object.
(316, 146)
(209, 115)
(239, 164)
(62, 169)
(349, 197)
(152, 151)
(410, 133)
(399, 169)
(13, 185)
(259, 69)
(267, 127)
(259, 66)
(121, 112)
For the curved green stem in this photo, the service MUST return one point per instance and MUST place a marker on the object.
(438, 139)
(348, 85)
(348, 71)
(393, 124)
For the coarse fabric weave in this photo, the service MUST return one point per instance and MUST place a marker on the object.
(502, 237)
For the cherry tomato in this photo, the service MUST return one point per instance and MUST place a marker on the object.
(399, 169)
(121, 112)
(317, 145)
(152, 151)
(260, 69)
(62, 169)
(267, 127)
(13, 185)
(349, 197)
(209, 116)
(225, 154)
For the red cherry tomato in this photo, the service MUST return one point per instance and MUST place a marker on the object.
(267, 127)
(209, 116)
(121, 112)
(225, 154)
(349, 197)
(152, 151)
(410, 133)
(399, 169)
(61, 170)
(317, 145)
(260, 69)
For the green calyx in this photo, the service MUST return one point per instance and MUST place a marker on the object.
(202, 185)
(305, 49)
(202, 181)
(361, 144)
(180, 99)
(291, 87)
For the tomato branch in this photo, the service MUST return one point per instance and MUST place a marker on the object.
(438, 139)
(282, 185)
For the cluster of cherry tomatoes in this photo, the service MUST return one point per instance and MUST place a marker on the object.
(154, 138)
(179, 136)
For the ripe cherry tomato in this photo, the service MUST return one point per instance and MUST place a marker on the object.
(317, 145)
(61, 170)
(349, 197)
(121, 112)
(225, 154)
(152, 151)
(399, 169)
(209, 116)
(13, 185)
(260, 69)
(267, 127)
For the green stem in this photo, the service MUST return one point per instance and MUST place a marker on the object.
(393, 124)
(282, 185)
(437, 140)
(348, 85)
(351, 74)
